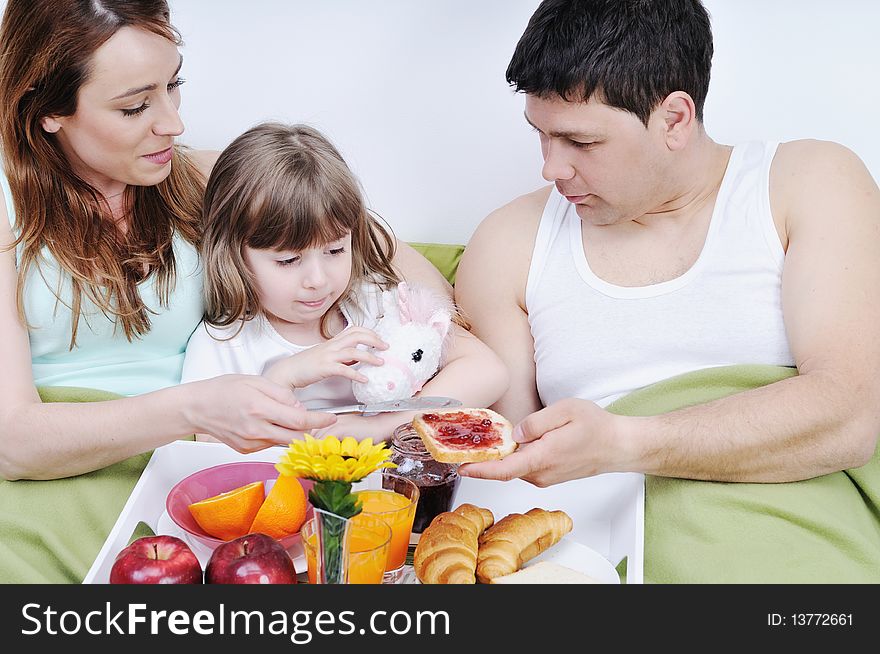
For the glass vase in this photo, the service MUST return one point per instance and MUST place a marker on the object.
(332, 533)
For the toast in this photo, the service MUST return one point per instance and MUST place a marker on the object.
(465, 435)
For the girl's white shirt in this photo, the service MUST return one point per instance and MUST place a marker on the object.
(214, 351)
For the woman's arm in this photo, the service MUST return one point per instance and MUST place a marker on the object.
(45, 441)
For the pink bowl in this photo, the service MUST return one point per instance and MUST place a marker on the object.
(220, 479)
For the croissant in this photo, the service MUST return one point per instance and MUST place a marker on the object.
(447, 550)
(518, 538)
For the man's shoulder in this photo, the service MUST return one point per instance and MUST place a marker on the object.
(504, 241)
(804, 162)
(811, 152)
(806, 171)
(513, 223)
(522, 211)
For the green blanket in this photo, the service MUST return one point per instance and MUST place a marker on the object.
(821, 530)
(51, 531)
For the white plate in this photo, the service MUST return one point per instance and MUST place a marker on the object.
(566, 552)
(578, 556)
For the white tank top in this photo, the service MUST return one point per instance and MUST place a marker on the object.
(598, 341)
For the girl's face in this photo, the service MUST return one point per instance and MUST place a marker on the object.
(300, 287)
(126, 117)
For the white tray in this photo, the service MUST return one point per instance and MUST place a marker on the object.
(607, 510)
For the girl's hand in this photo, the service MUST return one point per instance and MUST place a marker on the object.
(379, 427)
(333, 358)
(249, 413)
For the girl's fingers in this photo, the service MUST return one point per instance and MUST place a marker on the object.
(361, 336)
(342, 370)
(353, 355)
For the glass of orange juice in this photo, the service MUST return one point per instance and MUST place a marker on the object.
(393, 499)
(368, 542)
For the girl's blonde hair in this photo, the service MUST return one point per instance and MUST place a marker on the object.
(283, 187)
(46, 49)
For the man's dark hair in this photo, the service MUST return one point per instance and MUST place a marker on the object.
(629, 54)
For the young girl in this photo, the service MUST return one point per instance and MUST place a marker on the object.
(294, 267)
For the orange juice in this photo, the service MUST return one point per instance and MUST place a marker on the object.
(367, 553)
(398, 512)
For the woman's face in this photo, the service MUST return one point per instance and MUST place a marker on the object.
(127, 113)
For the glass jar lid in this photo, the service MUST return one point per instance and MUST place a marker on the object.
(406, 441)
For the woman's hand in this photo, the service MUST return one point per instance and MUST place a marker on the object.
(333, 358)
(249, 413)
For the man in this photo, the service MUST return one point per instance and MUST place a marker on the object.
(656, 252)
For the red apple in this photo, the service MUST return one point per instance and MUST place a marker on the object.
(252, 559)
(156, 560)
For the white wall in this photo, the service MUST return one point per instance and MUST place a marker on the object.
(790, 69)
(413, 92)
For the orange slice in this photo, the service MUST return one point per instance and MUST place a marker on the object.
(284, 510)
(230, 514)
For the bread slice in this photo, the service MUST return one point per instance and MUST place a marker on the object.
(468, 445)
(545, 572)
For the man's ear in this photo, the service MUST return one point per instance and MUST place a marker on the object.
(50, 124)
(679, 114)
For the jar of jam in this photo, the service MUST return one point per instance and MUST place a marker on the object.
(437, 482)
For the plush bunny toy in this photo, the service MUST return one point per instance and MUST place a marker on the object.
(415, 324)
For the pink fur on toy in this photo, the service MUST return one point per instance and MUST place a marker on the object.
(416, 325)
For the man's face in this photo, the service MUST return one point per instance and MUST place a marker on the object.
(603, 160)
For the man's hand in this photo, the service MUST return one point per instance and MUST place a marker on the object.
(566, 440)
(333, 358)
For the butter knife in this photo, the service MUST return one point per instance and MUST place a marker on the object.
(409, 404)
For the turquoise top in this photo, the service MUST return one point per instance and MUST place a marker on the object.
(103, 358)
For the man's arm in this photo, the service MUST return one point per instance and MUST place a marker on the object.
(828, 418)
(490, 289)
(824, 420)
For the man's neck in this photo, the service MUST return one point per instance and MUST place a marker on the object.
(694, 183)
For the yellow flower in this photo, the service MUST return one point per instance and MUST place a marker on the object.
(329, 459)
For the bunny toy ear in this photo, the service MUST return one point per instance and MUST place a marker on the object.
(441, 321)
(388, 305)
(403, 302)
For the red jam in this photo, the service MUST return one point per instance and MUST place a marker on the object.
(463, 431)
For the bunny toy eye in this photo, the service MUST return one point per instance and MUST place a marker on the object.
(417, 355)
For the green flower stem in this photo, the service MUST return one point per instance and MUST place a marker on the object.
(335, 497)
(332, 551)
(337, 506)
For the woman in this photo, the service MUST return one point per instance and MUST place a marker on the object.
(99, 279)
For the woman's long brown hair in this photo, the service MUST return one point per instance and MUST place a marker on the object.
(46, 48)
